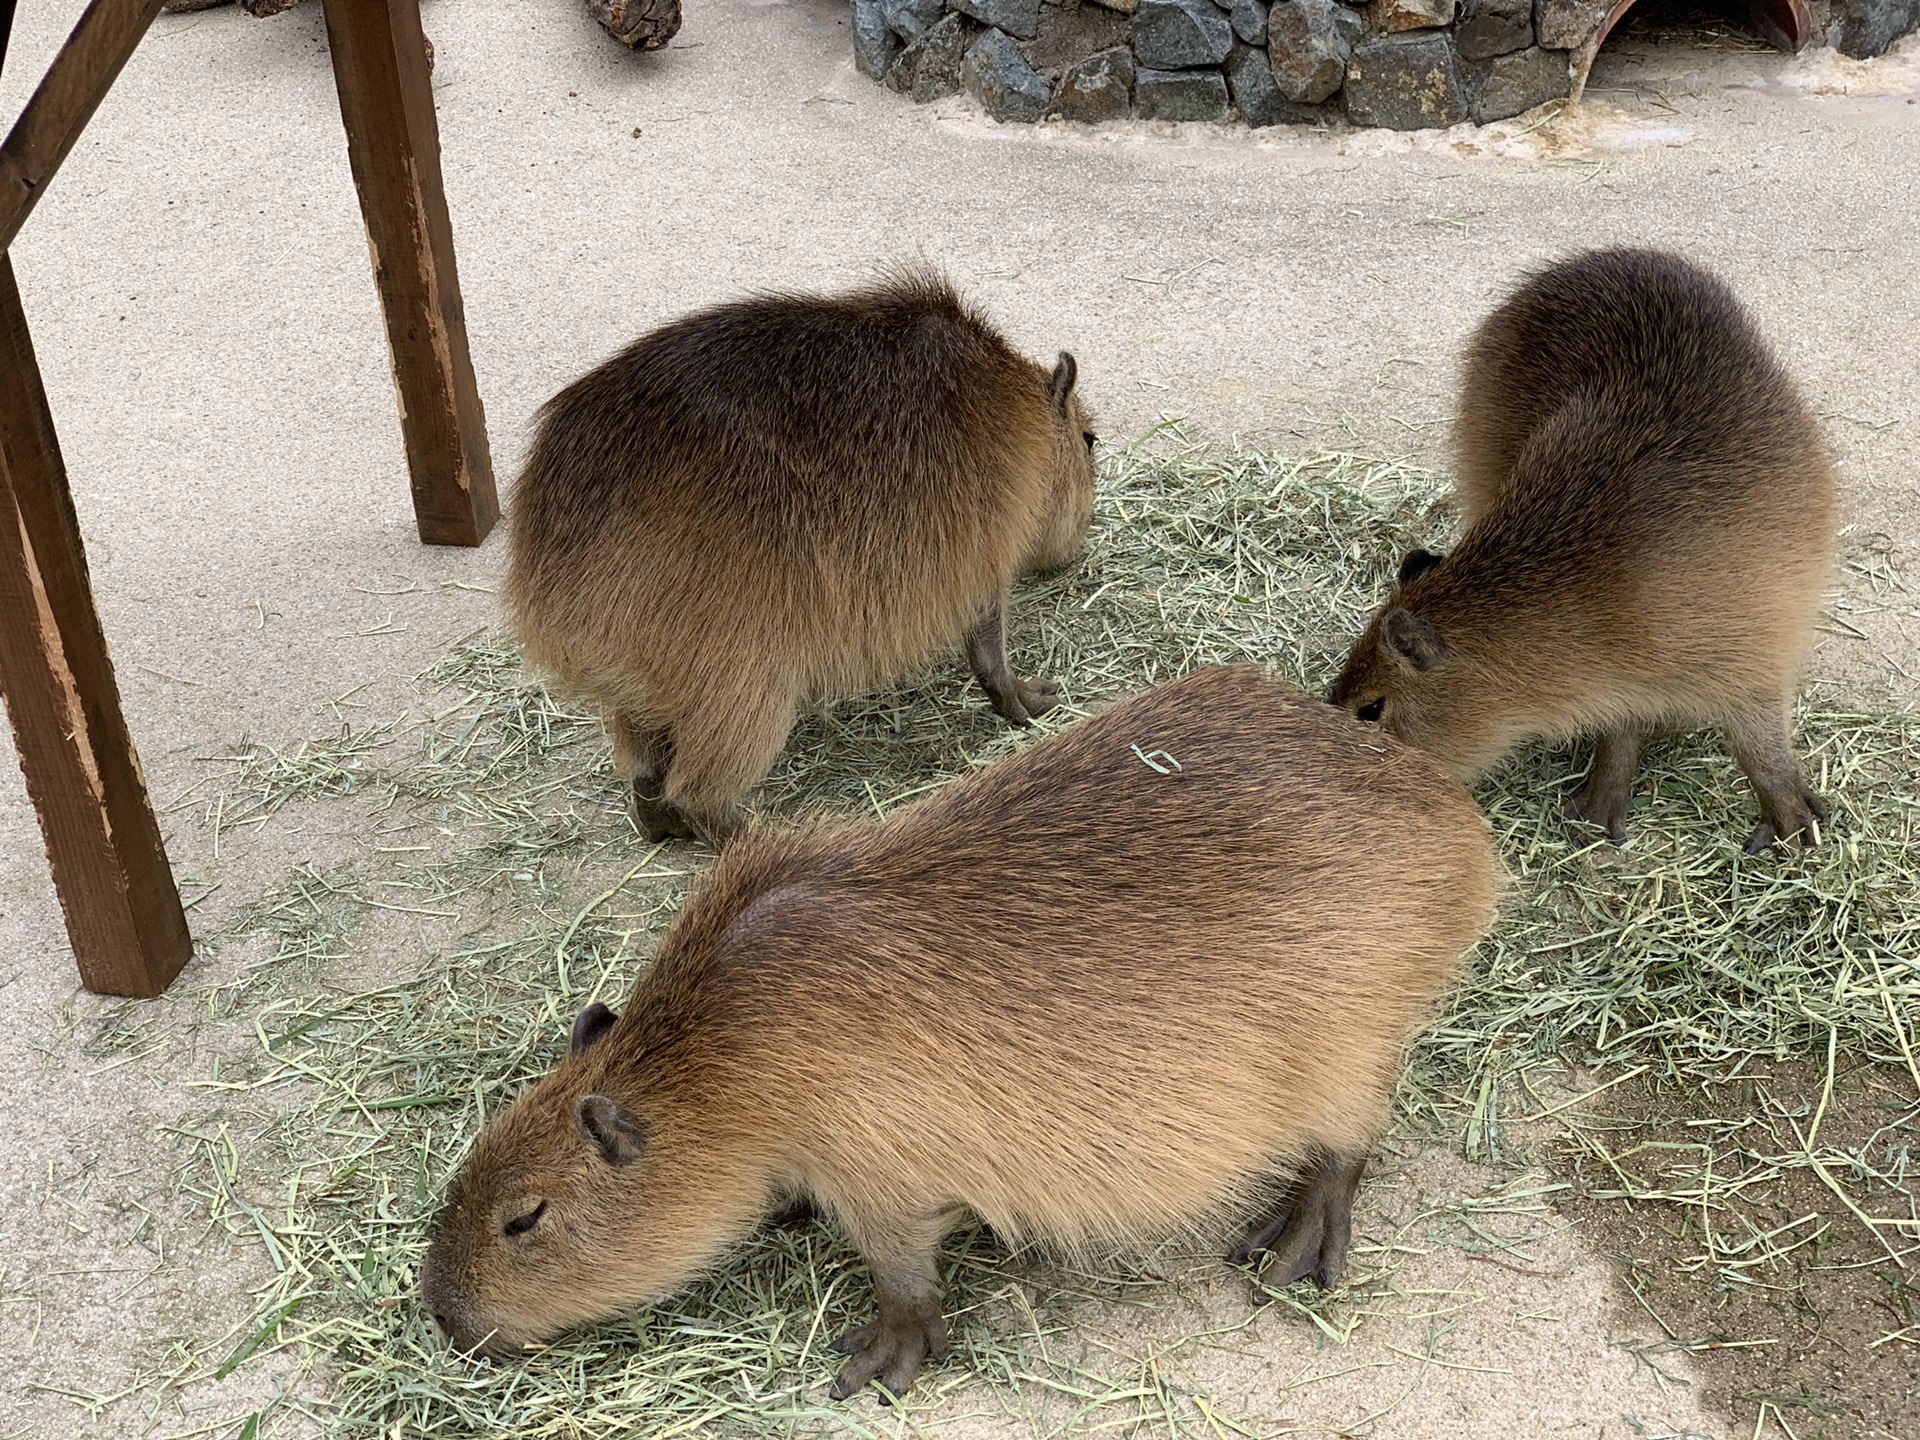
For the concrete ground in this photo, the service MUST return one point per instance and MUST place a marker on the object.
(197, 280)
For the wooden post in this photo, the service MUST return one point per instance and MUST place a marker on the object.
(124, 917)
(102, 42)
(393, 142)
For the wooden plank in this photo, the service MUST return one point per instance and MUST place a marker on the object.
(393, 141)
(74, 85)
(124, 917)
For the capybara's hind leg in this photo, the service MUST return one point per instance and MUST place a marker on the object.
(1016, 699)
(1760, 742)
(1307, 1233)
(720, 752)
(641, 755)
(1603, 800)
(903, 1259)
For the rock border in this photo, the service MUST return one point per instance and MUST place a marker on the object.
(1396, 64)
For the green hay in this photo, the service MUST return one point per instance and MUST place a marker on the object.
(498, 853)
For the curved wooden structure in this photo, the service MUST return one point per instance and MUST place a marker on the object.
(1785, 24)
(124, 917)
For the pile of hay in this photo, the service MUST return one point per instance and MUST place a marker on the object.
(400, 998)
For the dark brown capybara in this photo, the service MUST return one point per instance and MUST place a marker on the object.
(783, 499)
(1648, 517)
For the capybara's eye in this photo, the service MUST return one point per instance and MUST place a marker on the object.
(521, 1224)
(1089, 437)
(1371, 711)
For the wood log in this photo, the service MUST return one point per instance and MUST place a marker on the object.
(638, 24)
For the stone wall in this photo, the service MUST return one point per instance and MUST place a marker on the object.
(1402, 64)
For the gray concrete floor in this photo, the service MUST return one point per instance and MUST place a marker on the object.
(198, 284)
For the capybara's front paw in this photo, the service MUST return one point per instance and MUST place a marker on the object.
(1037, 697)
(657, 817)
(889, 1351)
(1788, 817)
(1308, 1232)
(1309, 1238)
(1605, 806)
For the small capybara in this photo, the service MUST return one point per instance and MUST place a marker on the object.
(1158, 967)
(785, 499)
(1648, 515)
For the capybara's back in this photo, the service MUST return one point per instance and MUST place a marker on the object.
(1655, 360)
(1102, 989)
(782, 499)
(1648, 514)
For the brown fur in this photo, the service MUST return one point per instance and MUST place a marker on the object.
(1649, 513)
(1072, 994)
(785, 499)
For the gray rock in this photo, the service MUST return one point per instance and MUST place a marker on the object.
(1020, 18)
(1405, 83)
(1125, 7)
(874, 45)
(910, 19)
(999, 77)
(1865, 28)
(929, 68)
(1181, 94)
(1070, 35)
(1098, 88)
(1249, 21)
(1518, 82)
(1180, 35)
(1487, 28)
(1350, 23)
(1567, 24)
(1250, 79)
(1308, 48)
(1392, 16)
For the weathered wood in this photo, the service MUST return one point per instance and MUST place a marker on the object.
(124, 917)
(74, 86)
(638, 24)
(393, 141)
(1787, 25)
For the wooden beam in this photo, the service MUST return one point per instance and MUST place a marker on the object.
(124, 917)
(74, 85)
(393, 141)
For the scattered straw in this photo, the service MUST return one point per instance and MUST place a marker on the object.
(397, 999)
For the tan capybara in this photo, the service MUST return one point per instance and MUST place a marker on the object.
(785, 499)
(1648, 524)
(1161, 965)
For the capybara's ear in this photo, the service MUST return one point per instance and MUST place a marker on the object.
(618, 1137)
(1417, 563)
(1415, 640)
(592, 1023)
(1060, 389)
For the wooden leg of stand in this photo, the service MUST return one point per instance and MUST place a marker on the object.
(393, 141)
(109, 867)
